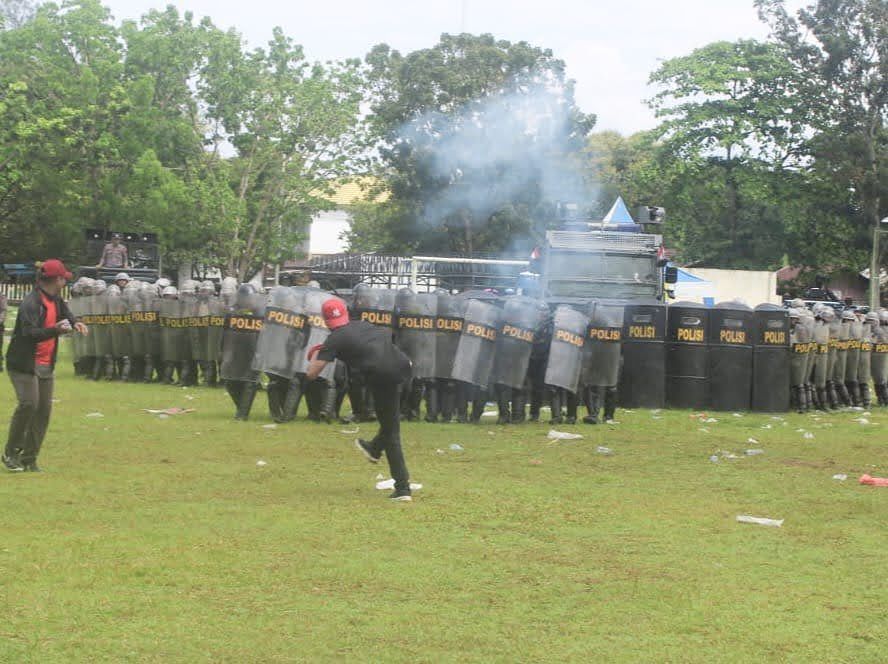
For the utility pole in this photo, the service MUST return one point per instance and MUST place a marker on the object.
(875, 271)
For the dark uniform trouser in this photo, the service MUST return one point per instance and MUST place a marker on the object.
(387, 399)
(31, 418)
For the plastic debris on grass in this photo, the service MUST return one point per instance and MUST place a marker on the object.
(873, 481)
(562, 435)
(808, 435)
(97, 414)
(456, 447)
(261, 463)
(269, 426)
(168, 411)
(738, 414)
(349, 432)
(841, 477)
(752, 441)
(862, 420)
(606, 451)
(754, 452)
(385, 484)
(758, 520)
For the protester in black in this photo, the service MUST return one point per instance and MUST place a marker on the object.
(369, 349)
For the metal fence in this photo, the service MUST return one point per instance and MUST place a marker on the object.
(15, 292)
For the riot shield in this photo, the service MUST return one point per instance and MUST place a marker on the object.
(801, 337)
(317, 329)
(151, 320)
(855, 335)
(102, 326)
(770, 359)
(217, 311)
(810, 324)
(821, 357)
(88, 317)
(78, 341)
(687, 361)
(281, 342)
(604, 339)
(643, 378)
(120, 323)
(879, 359)
(730, 356)
(174, 343)
(415, 316)
(136, 308)
(477, 344)
(864, 360)
(448, 327)
(842, 345)
(240, 334)
(197, 316)
(374, 305)
(565, 363)
(519, 327)
(835, 329)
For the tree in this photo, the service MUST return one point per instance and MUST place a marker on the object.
(476, 134)
(294, 127)
(842, 48)
(15, 13)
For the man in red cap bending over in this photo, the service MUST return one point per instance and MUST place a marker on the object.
(42, 318)
(369, 349)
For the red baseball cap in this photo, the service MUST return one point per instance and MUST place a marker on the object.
(335, 313)
(54, 268)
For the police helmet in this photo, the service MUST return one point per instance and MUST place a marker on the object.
(798, 303)
(170, 291)
(99, 286)
(848, 314)
(207, 287)
(794, 312)
(827, 314)
(162, 283)
(871, 317)
(113, 289)
(122, 276)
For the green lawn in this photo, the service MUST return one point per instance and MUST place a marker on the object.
(160, 540)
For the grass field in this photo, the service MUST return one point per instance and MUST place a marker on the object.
(161, 540)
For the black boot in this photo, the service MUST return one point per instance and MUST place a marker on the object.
(328, 407)
(555, 405)
(519, 404)
(431, 399)
(844, 396)
(148, 372)
(503, 396)
(125, 367)
(234, 389)
(291, 400)
(866, 399)
(277, 392)
(610, 403)
(853, 392)
(832, 395)
(593, 405)
(108, 363)
(822, 399)
(798, 398)
(461, 399)
(572, 402)
(188, 374)
(447, 400)
(245, 405)
(811, 394)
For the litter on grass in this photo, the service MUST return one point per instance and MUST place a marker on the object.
(168, 411)
(753, 441)
(761, 521)
(348, 432)
(269, 426)
(489, 413)
(767, 426)
(456, 447)
(606, 451)
(841, 477)
(562, 435)
(384, 484)
(95, 415)
(261, 463)
(808, 435)
(755, 452)
(873, 481)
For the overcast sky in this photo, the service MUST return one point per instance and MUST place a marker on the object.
(610, 47)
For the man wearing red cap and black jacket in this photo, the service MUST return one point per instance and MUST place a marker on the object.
(42, 318)
(369, 349)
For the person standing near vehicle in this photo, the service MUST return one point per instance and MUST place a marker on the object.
(369, 349)
(42, 318)
(114, 255)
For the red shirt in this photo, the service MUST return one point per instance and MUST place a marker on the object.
(45, 349)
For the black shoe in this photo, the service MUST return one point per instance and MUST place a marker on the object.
(32, 467)
(12, 464)
(401, 496)
(364, 447)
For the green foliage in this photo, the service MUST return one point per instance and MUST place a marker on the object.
(470, 130)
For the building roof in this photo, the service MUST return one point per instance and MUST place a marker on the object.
(355, 191)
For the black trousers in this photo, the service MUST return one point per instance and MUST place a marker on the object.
(387, 398)
(31, 417)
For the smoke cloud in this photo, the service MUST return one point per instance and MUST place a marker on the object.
(517, 147)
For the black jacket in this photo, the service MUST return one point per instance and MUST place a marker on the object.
(29, 331)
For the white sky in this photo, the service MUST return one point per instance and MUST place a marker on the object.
(610, 47)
